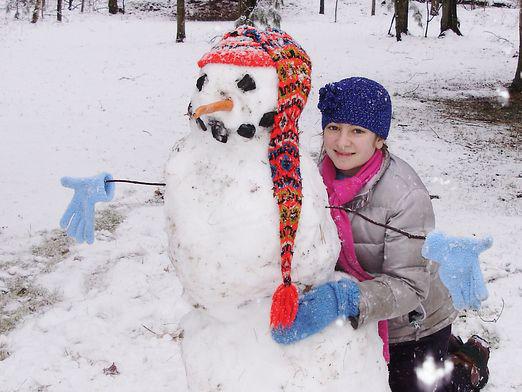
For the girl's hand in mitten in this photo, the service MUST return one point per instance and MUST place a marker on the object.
(78, 219)
(318, 308)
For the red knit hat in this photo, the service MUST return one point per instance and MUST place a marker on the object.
(247, 46)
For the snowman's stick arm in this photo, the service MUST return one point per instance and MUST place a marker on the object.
(138, 182)
(409, 235)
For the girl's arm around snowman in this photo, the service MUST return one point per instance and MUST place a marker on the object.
(405, 278)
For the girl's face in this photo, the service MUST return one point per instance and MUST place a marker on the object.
(350, 146)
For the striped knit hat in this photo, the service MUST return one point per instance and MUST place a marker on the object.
(248, 46)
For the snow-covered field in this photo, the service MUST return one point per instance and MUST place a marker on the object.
(109, 93)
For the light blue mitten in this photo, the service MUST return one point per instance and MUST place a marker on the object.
(318, 308)
(78, 219)
(459, 268)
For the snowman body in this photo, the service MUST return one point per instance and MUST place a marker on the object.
(223, 228)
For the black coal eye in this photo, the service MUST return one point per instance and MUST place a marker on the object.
(201, 81)
(246, 130)
(246, 83)
(267, 120)
(189, 109)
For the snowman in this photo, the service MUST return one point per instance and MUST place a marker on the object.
(248, 229)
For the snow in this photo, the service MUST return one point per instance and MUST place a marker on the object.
(107, 93)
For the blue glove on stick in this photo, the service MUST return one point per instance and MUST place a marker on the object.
(78, 219)
(459, 269)
(318, 308)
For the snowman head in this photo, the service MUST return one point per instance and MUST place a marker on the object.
(234, 101)
(248, 81)
(258, 81)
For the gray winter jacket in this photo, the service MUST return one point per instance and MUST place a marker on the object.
(407, 289)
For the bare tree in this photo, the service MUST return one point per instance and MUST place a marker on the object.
(266, 13)
(180, 18)
(449, 20)
(401, 18)
(245, 9)
(516, 85)
(113, 7)
(373, 7)
(321, 7)
(36, 11)
(59, 10)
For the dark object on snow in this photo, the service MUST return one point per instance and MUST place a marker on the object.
(267, 120)
(247, 130)
(201, 124)
(111, 370)
(219, 131)
(201, 81)
(473, 356)
(246, 83)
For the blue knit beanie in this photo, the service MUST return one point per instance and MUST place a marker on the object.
(357, 101)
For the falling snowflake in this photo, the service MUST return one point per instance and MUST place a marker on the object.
(503, 96)
(429, 373)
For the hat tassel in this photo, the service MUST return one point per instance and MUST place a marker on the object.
(284, 306)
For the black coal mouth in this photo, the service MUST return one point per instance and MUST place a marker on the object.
(221, 133)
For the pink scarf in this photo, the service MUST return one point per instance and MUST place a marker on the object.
(341, 192)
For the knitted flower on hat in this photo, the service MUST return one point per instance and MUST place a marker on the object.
(248, 46)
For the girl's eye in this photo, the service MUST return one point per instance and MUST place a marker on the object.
(358, 131)
(332, 127)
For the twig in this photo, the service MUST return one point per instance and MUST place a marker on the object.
(436, 134)
(496, 318)
(499, 37)
(150, 330)
(409, 235)
(411, 91)
(139, 182)
(391, 25)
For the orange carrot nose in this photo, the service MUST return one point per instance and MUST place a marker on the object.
(225, 105)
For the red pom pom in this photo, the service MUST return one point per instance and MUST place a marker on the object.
(284, 306)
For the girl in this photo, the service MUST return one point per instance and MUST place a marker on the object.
(395, 284)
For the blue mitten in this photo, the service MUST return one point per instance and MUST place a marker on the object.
(459, 269)
(318, 308)
(78, 219)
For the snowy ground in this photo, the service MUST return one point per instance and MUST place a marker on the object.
(110, 93)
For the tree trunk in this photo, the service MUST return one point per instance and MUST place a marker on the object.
(59, 11)
(113, 7)
(321, 7)
(70, 5)
(373, 7)
(449, 20)
(401, 18)
(245, 9)
(36, 11)
(180, 18)
(516, 85)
